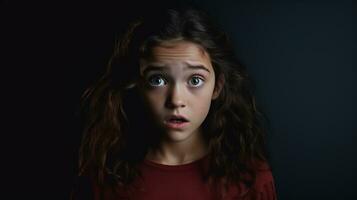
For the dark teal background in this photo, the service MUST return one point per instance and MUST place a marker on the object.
(301, 55)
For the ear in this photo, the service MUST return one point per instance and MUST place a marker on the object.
(218, 86)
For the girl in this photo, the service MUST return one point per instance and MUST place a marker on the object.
(173, 117)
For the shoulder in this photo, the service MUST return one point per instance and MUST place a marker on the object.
(82, 188)
(87, 187)
(263, 173)
(264, 178)
(262, 187)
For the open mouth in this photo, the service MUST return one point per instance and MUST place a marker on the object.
(177, 119)
(176, 122)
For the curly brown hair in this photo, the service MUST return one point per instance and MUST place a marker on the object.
(112, 108)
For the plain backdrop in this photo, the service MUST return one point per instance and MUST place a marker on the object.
(301, 55)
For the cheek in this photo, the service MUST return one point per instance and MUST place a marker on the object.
(203, 108)
(202, 105)
(154, 100)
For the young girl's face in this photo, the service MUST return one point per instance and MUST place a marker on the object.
(178, 79)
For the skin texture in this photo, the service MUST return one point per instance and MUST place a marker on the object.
(171, 87)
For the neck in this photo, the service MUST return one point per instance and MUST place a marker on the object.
(177, 153)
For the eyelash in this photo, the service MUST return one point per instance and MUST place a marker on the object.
(161, 76)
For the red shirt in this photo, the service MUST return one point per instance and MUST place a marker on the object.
(184, 182)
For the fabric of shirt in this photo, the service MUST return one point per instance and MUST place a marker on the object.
(185, 182)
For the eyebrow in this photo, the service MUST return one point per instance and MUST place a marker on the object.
(163, 68)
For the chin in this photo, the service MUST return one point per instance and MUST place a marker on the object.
(178, 136)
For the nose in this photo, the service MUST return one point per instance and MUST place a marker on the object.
(175, 97)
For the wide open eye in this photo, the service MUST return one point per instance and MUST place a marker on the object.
(196, 81)
(156, 80)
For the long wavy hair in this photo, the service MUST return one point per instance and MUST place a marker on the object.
(114, 141)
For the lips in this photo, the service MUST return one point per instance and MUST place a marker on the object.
(176, 121)
(177, 118)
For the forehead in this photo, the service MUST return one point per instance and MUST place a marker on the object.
(179, 51)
